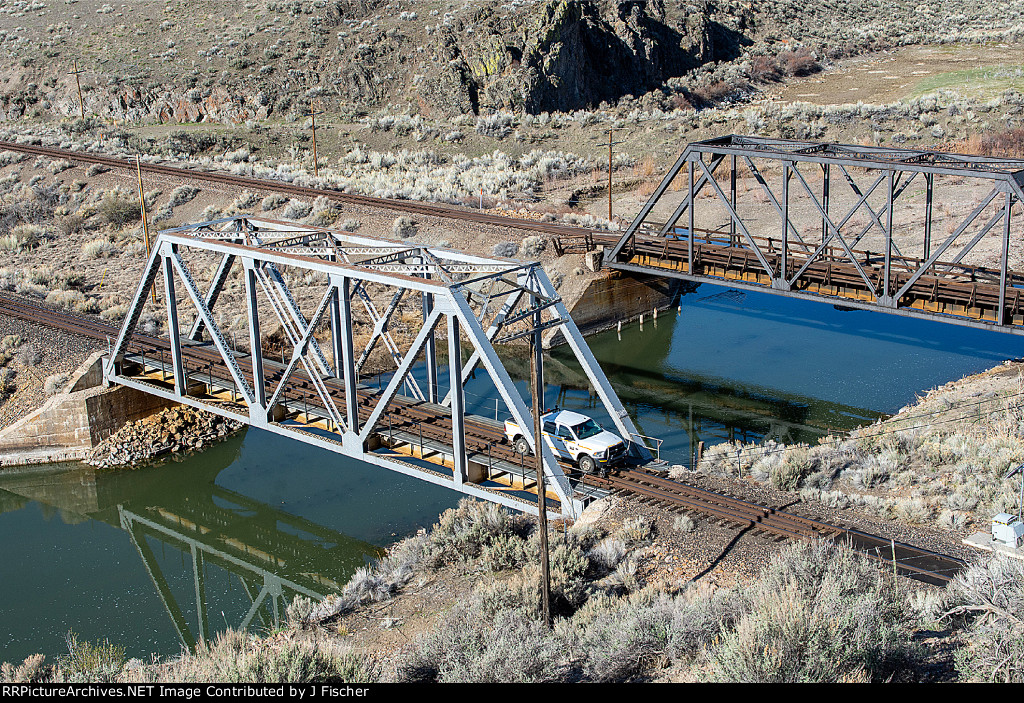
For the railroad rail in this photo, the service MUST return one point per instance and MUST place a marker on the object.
(910, 561)
(409, 206)
(409, 420)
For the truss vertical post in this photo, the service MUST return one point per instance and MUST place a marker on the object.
(336, 334)
(689, 230)
(199, 577)
(180, 383)
(342, 286)
(430, 350)
(929, 179)
(825, 188)
(886, 293)
(459, 472)
(1003, 262)
(732, 197)
(783, 278)
(258, 411)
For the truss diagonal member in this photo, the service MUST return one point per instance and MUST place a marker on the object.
(298, 356)
(218, 339)
(216, 286)
(834, 229)
(877, 218)
(514, 402)
(496, 325)
(574, 338)
(646, 209)
(930, 261)
(134, 311)
(156, 576)
(775, 202)
(698, 186)
(739, 222)
(381, 332)
(388, 394)
(292, 308)
(439, 270)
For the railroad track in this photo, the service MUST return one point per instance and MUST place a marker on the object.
(415, 417)
(913, 562)
(965, 291)
(410, 206)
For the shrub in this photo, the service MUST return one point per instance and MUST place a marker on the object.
(118, 209)
(99, 249)
(684, 523)
(505, 249)
(69, 225)
(463, 532)
(818, 613)
(91, 663)
(54, 383)
(798, 62)
(23, 237)
(33, 670)
(296, 209)
(182, 194)
(989, 598)
(404, 227)
(533, 245)
(469, 647)
(272, 202)
(7, 385)
(236, 657)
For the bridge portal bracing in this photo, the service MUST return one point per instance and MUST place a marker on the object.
(333, 298)
(919, 233)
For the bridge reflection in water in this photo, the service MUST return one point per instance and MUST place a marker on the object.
(269, 555)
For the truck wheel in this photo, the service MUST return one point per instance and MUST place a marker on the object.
(521, 446)
(587, 464)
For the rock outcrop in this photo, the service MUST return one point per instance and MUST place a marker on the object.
(568, 55)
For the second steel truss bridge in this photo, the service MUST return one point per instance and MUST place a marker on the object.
(919, 233)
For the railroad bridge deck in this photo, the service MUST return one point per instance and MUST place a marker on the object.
(866, 243)
(318, 391)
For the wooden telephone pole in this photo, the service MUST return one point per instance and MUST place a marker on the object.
(312, 114)
(610, 144)
(76, 73)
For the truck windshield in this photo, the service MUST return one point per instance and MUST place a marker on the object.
(585, 429)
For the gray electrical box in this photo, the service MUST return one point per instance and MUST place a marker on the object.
(1007, 529)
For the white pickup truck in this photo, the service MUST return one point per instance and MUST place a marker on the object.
(574, 437)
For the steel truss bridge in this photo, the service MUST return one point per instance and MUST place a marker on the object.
(918, 233)
(335, 297)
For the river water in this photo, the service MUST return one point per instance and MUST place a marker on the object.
(258, 518)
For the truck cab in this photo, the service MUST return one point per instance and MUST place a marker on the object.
(574, 437)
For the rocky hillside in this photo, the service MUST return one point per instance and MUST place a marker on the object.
(217, 61)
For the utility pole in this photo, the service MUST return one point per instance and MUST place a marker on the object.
(142, 206)
(312, 114)
(610, 144)
(537, 384)
(76, 73)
